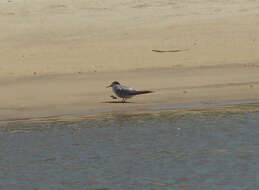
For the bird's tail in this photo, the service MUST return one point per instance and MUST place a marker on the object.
(142, 92)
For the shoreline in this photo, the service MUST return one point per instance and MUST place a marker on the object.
(175, 111)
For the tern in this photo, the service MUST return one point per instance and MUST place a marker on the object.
(125, 92)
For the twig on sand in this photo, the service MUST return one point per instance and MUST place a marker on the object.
(173, 51)
(164, 51)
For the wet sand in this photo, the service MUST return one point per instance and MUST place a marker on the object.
(57, 57)
(86, 93)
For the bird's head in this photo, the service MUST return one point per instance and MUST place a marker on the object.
(113, 84)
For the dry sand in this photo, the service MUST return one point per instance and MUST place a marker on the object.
(58, 56)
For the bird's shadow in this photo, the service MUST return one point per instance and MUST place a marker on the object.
(117, 102)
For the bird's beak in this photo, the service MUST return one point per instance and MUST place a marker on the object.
(109, 86)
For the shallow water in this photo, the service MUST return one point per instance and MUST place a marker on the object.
(152, 151)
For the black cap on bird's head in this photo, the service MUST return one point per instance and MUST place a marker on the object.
(114, 83)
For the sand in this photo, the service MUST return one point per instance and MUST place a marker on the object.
(58, 56)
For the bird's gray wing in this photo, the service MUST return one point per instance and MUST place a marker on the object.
(132, 92)
(126, 91)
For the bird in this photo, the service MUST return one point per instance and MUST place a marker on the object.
(125, 92)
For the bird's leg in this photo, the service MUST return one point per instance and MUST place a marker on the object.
(123, 100)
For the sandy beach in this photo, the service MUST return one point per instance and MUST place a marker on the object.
(57, 57)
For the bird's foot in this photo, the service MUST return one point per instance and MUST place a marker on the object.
(113, 97)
